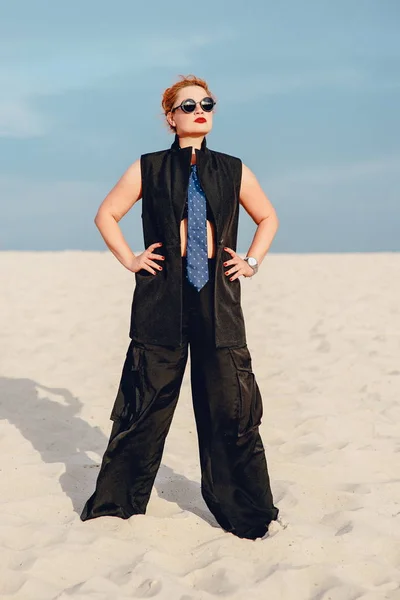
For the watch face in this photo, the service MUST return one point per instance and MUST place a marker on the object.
(252, 261)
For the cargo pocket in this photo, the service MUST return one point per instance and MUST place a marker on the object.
(129, 399)
(250, 407)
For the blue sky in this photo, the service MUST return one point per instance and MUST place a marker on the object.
(308, 97)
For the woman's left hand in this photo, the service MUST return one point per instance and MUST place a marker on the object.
(237, 265)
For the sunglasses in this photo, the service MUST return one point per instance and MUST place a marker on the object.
(189, 105)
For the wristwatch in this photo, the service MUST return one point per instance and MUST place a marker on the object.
(253, 262)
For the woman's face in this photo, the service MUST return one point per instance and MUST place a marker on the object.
(196, 123)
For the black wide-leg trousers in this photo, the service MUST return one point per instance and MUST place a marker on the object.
(227, 406)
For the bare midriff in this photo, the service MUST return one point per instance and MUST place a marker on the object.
(211, 249)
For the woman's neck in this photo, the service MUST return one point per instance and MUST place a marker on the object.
(194, 142)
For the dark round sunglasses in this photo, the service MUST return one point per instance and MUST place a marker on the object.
(189, 105)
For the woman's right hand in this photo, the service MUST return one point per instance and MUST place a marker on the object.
(145, 260)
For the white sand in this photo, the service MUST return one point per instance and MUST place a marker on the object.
(324, 334)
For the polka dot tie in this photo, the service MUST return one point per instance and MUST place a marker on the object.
(196, 252)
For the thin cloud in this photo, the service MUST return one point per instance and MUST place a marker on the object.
(44, 198)
(271, 84)
(329, 175)
(19, 120)
(86, 64)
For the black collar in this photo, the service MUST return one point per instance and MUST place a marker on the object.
(175, 145)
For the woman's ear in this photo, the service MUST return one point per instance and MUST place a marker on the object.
(171, 120)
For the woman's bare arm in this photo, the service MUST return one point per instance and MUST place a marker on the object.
(124, 194)
(115, 205)
(257, 205)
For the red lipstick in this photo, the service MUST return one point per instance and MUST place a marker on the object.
(201, 120)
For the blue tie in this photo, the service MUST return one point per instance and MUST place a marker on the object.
(196, 251)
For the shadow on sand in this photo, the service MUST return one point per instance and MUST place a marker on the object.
(49, 419)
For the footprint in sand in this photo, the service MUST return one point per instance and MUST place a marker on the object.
(336, 521)
(148, 589)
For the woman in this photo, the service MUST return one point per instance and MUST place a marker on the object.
(187, 295)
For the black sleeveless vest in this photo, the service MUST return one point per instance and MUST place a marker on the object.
(156, 314)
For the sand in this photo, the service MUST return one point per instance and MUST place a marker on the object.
(324, 335)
